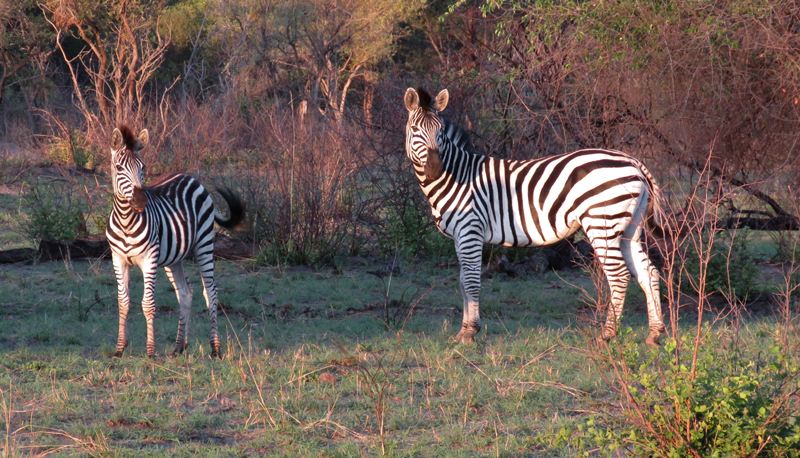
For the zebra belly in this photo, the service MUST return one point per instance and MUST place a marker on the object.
(520, 237)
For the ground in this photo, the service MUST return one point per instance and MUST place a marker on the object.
(315, 363)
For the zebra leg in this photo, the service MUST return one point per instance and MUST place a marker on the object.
(121, 271)
(607, 253)
(468, 249)
(177, 277)
(647, 276)
(148, 304)
(205, 262)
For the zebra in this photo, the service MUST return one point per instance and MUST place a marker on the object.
(159, 226)
(477, 199)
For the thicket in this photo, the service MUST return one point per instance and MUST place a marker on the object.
(297, 103)
(314, 89)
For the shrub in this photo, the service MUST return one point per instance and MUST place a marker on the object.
(52, 212)
(410, 230)
(74, 149)
(302, 192)
(56, 209)
(730, 269)
(727, 404)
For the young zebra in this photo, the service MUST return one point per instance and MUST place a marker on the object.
(158, 226)
(477, 199)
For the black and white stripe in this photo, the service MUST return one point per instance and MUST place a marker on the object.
(158, 226)
(476, 199)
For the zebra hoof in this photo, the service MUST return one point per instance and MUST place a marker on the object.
(215, 348)
(464, 339)
(466, 335)
(179, 349)
(652, 339)
(120, 350)
(602, 339)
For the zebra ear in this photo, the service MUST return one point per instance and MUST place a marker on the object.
(411, 99)
(142, 140)
(441, 100)
(116, 139)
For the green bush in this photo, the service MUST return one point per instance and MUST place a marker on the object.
(57, 209)
(410, 230)
(52, 211)
(731, 405)
(75, 149)
(730, 270)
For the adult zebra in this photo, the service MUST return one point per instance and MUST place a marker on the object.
(158, 226)
(476, 199)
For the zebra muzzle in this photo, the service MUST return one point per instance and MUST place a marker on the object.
(433, 166)
(139, 200)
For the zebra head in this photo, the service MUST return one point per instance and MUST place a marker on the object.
(127, 168)
(423, 126)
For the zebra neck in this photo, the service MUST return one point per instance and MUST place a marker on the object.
(459, 167)
(124, 214)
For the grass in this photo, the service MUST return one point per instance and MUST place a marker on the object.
(304, 357)
(9, 213)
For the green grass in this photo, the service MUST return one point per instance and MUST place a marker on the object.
(307, 365)
(9, 216)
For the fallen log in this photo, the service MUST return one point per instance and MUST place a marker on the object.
(775, 223)
(17, 255)
(55, 250)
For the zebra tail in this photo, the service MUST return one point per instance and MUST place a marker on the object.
(236, 206)
(655, 207)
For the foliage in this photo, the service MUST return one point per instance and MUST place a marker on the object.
(25, 42)
(74, 150)
(729, 269)
(62, 209)
(315, 49)
(53, 212)
(304, 196)
(121, 47)
(410, 229)
(729, 403)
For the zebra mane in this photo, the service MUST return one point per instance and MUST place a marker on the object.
(131, 143)
(424, 99)
(456, 134)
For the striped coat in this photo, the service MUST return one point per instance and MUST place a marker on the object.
(159, 226)
(476, 199)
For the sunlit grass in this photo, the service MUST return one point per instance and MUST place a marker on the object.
(304, 353)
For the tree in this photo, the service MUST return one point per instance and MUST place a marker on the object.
(122, 46)
(24, 39)
(675, 81)
(321, 47)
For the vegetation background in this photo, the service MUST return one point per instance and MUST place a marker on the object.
(297, 105)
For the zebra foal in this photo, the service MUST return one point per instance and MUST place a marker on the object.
(476, 199)
(159, 226)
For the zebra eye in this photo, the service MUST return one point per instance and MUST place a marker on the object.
(119, 167)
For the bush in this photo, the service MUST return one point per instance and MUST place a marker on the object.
(74, 149)
(730, 270)
(730, 405)
(302, 192)
(410, 230)
(63, 210)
